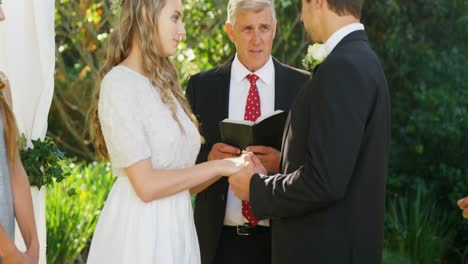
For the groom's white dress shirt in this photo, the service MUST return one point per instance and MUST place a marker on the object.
(238, 91)
(336, 37)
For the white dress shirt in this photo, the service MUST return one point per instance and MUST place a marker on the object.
(336, 37)
(238, 91)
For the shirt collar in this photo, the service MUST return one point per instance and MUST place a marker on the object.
(266, 73)
(336, 37)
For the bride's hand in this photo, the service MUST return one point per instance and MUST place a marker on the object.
(257, 163)
(247, 162)
(240, 181)
(233, 165)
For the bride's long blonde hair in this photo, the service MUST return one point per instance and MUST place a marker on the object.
(9, 123)
(161, 72)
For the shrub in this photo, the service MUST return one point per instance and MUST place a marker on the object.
(73, 207)
(417, 228)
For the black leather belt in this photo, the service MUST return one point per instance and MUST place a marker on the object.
(247, 229)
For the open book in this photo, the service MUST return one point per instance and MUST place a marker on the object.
(266, 131)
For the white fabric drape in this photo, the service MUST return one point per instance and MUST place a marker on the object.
(27, 56)
(39, 203)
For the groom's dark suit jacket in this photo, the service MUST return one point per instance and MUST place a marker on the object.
(208, 94)
(328, 206)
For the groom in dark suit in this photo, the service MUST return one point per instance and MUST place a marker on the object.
(251, 80)
(327, 206)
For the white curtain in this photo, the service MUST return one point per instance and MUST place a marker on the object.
(27, 56)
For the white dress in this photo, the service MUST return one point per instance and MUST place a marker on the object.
(137, 125)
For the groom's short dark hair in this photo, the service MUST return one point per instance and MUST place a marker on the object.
(346, 7)
(343, 7)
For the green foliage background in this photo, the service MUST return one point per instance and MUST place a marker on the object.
(422, 48)
(73, 207)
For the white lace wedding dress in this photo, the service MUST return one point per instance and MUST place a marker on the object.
(136, 126)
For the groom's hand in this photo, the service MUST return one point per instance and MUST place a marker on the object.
(223, 151)
(240, 182)
(270, 157)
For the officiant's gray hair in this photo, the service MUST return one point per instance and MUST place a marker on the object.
(237, 6)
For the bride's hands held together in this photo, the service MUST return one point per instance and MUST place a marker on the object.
(269, 157)
(232, 165)
(257, 163)
(240, 181)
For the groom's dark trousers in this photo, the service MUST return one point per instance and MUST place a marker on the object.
(328, 205)
(208, 94)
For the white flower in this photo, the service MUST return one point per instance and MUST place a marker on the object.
(315, 55)
(317, 51)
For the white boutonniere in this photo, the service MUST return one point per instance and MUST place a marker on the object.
(315, 55)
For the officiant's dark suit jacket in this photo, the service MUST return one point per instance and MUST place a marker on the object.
(328, 205)
(208, 94)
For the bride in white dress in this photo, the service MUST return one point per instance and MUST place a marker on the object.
(143, 124)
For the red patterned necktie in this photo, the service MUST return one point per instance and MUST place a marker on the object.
(252, 112)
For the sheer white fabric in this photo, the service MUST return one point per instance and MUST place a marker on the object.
(136, 126)
(27, 56)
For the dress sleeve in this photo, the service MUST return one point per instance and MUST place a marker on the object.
(121, 124)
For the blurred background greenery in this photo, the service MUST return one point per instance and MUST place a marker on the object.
(421, 44)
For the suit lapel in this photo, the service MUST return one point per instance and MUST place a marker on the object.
(281, 90)
(285, 133)
(280, 86)
(223, 82)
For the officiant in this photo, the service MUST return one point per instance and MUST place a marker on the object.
(249, 84)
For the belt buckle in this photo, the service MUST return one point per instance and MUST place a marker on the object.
(245, 229)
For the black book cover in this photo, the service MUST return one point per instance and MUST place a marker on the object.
(266, 131)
